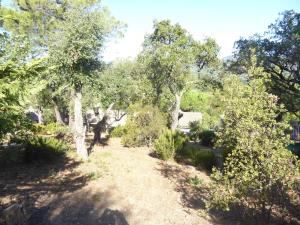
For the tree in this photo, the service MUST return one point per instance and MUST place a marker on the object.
(74, 50)
(258, 171)
(115, 84)
(16, 76)
(278, 52)
(168, 55)
(206, 53)
(35, 20)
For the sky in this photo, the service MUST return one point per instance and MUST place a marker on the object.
(224, 20)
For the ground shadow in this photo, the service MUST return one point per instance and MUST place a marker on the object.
(90, 142)
(82, 207)
(56, 194)
(195, 197)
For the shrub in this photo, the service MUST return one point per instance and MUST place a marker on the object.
(258, 172)
(169, 143)
(195, 181)
(164, 146)
(200, 132)
(118, 131)
(195, 130)
(199, 157)
(52, 129)
(207, 137)
(44, 149)
(205, 159)
(143, 126)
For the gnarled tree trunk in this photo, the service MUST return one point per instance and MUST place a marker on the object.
(101, 125)
(79, 131)
(57, 113)
(175, 112)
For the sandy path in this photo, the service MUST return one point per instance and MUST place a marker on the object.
(130, 187)
(141, 191)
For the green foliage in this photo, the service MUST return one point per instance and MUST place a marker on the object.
(195, 181)
(15, 82)
(118, 131)
(75, 45)
(196, 101)
(44, 149)
(167, 53)
(207, 137)
(277, 51)
(144, 124)
(258, 171)
(199, 157)
(169, 143)
(118, 83)
(52, 128)
(201, 131)
(33, 149)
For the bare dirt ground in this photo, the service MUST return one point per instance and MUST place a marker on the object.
(117, 185)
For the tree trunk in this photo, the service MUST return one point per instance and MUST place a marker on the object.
(57, 112)
(101, 125)
(175, 112)
(79, 131)
(71, 113)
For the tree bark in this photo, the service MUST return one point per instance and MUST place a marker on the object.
(79, 131)
(57, 113)
(71, 113)
(175, 112)
(101, 126)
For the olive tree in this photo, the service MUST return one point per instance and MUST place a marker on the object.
(168, 55)
(74, 50)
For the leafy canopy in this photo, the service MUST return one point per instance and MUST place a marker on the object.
(257, 165)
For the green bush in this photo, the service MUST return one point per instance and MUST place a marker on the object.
(200, 132)
(44, 149)
(195, 130)
(169, 143)
(207, 137)
(143, 126)
(199, 157)
(118, 131)
(164, 146)
(52, 129)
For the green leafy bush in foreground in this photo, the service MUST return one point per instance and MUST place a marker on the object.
(33, 149)
(169, 143)
(259, 173)
(44, 149)
(52, 128)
